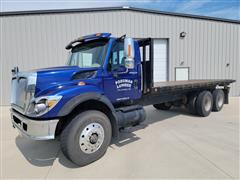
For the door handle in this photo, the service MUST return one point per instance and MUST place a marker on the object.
(135, 84)
(115, 75)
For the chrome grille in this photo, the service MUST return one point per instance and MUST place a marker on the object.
(23, 89)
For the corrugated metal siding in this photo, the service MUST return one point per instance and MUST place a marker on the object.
(35, 41)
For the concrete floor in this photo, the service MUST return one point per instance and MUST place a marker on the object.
(170, 144)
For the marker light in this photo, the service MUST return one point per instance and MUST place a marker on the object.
(51, 103)
(81, 83)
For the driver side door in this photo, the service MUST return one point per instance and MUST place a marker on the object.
(120, 84)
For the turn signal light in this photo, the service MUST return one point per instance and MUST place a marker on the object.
(51, 103)
(81, 83)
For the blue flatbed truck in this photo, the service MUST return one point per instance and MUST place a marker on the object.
(103, 88)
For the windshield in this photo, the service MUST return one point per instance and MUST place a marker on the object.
(87, 55)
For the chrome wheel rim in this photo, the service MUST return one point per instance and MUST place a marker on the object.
(208, 103)
(91, 138)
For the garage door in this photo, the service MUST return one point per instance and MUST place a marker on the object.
(160, 60)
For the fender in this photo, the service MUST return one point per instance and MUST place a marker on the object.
(75, 101)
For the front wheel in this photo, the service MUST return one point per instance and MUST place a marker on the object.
(87, 137)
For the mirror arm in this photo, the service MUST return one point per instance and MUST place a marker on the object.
(125, 72)
(115, 74)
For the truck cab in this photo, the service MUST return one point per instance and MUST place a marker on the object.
(106, 57)
(102, 88)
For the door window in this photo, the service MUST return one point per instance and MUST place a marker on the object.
(117, 56)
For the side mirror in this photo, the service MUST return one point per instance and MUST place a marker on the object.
(129, 53)
(15, 70)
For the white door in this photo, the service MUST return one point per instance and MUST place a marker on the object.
(160, 60)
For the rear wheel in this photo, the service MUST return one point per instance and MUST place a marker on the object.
(192, 104)
(218, 99)
(204, 103)
(86, 138)
(163, 106)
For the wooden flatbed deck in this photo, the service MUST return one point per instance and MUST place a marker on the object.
(191, 83)
(181, 87)
(174, 90)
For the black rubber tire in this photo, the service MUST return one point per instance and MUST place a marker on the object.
(217, 95)
(203, 98)
(70, 137)
(192, 104)
(163, 106)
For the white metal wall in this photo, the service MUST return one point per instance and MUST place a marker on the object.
(210, 48)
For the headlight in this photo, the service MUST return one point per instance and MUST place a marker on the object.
(40, 108)
(42, 105)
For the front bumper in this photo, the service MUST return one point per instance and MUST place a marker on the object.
(34, 129)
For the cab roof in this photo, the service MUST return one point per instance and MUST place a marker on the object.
(88, 38)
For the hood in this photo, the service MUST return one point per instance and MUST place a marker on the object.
(57, 69)
(48, 78)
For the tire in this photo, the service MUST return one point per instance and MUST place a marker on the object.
(204, 103)
(86, 138)
(192, 104)
(218, 100)
(163, 106)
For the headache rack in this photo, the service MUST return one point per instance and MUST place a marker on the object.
(147, 66)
